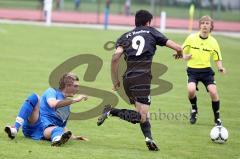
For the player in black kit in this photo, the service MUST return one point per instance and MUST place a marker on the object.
(138, 47)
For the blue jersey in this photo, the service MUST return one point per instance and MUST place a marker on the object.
(53, 116)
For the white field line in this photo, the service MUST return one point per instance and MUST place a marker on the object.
(110, 27)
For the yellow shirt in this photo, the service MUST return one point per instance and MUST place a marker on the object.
(202, 50)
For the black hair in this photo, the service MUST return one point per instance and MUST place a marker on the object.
(142, 17)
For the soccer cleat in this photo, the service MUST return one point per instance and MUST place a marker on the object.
(11, 131)
(218, 122)
(151, 145)
(64, 138)
(105, 114)
(193, 116)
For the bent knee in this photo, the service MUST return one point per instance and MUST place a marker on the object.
(214, 95)
(144, 117)
(33, 99)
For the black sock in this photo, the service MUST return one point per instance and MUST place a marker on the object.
(193, 102)
(215, 108)
(126, 114)
(146, 129)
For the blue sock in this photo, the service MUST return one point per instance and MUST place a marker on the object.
(26, 110)
(56, 133)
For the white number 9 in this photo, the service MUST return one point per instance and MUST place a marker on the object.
(138, 43)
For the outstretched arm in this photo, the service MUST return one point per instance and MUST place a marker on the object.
(114, 67)
(173, 45)
(61, 103)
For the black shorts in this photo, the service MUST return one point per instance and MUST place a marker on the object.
(138, 87)
(204, 75)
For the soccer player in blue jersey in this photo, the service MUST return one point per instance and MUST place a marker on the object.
(46, 118)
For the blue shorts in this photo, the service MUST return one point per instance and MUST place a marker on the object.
(34, 131)
(51, 121)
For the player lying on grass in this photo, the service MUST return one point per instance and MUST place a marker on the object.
(46, 118)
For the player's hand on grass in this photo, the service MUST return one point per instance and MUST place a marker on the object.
(116, 85)
(81, 138)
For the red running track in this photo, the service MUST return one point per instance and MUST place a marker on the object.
(93, 18)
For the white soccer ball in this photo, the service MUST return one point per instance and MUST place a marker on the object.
(219, 134)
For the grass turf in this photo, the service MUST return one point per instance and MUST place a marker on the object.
(28, 54)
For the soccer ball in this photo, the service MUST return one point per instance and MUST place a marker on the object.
(219, 134)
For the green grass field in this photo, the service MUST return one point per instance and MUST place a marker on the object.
(28, 54)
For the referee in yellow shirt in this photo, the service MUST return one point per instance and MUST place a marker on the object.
(198, 49)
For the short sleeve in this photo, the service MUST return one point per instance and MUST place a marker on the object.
(118, 42)
(186, 45)
(216, 52)
(50, 94)
(160, 38)
(122, 41)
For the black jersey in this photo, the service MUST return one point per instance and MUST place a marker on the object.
(139, 46)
